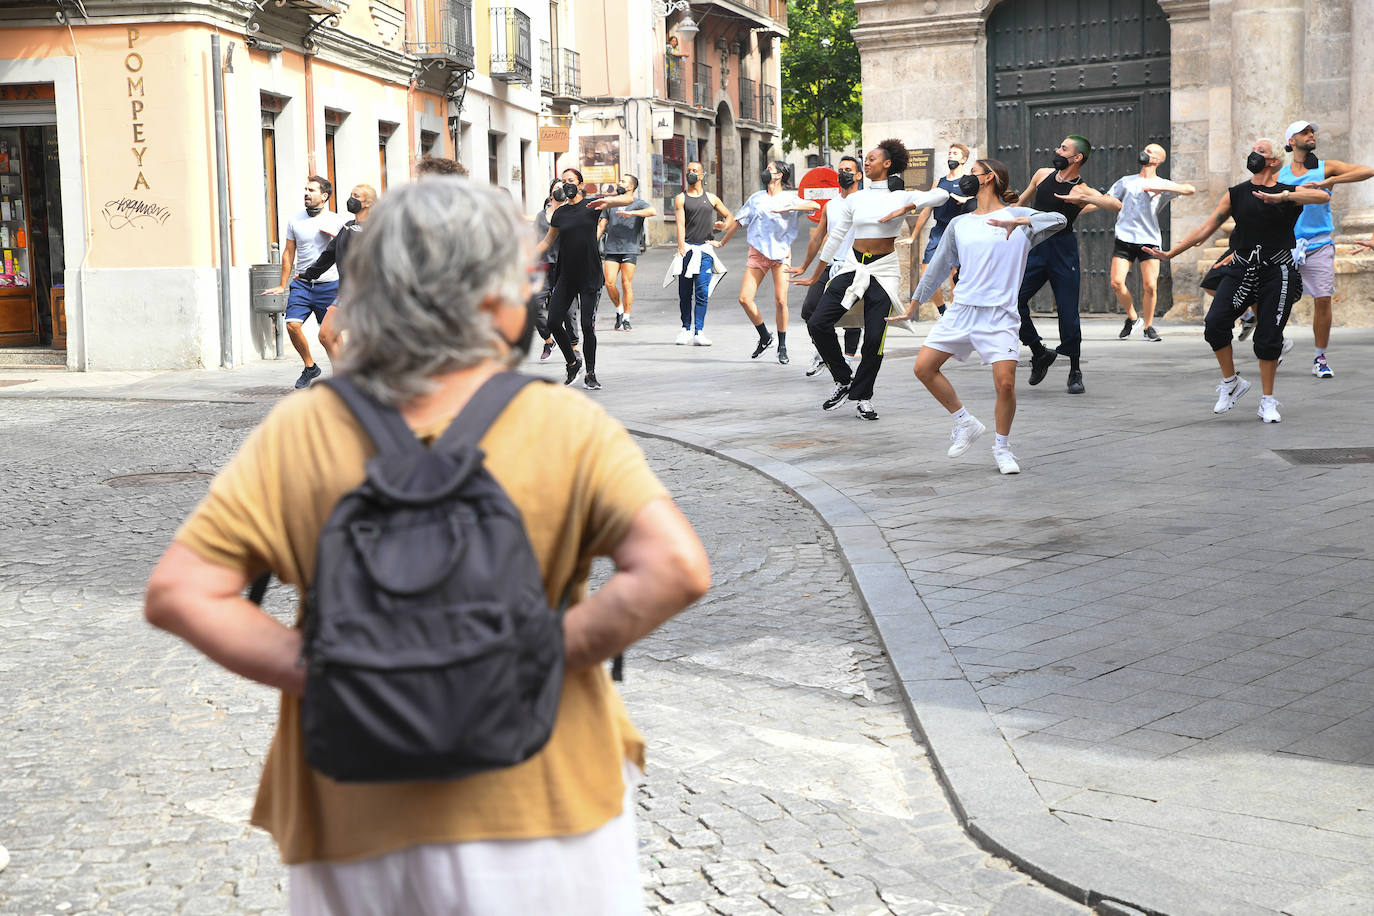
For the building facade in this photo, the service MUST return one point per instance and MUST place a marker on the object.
(647, 108)
(1205, 78)
(117, 252)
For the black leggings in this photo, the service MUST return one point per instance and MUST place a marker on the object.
(560, 302)
(813, 299)
(822, 327)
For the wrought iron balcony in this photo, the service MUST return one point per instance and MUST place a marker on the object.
(545, 67)
(448, 40)
(702, 94)
(569, 74)
(511, 45)
(748, 99)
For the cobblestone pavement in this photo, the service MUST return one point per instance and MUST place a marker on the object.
(783, 776)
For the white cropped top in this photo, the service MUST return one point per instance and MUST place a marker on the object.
(863, 209)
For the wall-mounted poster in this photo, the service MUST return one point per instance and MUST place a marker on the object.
(601, 161)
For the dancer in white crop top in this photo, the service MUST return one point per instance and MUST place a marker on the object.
(990, 247)
(869, 273)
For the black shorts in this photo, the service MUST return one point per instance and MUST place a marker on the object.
(622, 258)
(1131, 251)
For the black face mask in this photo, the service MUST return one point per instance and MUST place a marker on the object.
(968, 185)
(767, 177)
(952, 163)
(558, 194)
(1059, 161)
(354, 205)
(520, 347)
(1144, 158)
(847, 180)
(692, 179)
(569, 190)
(1255, 163)
(896, 183)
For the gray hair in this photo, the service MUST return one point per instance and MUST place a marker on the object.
(432, 252)
(1276, 150)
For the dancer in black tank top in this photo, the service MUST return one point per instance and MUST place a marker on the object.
(697, 210)
(1059, 190)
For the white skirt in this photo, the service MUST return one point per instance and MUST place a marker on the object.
(994, 332)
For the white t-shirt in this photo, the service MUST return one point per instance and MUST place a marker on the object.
(862, 210)
(312, 235)
(1138, 221)
(990, 264)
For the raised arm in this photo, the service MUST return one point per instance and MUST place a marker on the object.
(1029, 194)
(1308, 194)
(1090, 198)
(1338, 172)
(1201, 233)
(1165, 186)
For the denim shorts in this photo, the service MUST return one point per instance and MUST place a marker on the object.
(308, 299)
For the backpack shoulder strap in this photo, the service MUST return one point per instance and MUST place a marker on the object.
(482, 409)
(384, 425)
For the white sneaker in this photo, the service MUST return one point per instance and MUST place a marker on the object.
(701, 340)
(1006, 461)
(684, 337)
(963, 435)
(1288, 345)
(1227, 395)
(817, 364)
(1269, 409)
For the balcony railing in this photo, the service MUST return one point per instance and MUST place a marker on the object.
(570, 74)
(702, 95)
(768, 104)
(448, 36)
(511, 45)
(748, 98)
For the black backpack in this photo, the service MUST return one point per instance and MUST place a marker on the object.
(432, 651)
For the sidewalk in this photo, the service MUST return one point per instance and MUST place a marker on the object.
(1132, 687)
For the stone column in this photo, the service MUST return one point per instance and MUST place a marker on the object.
(1358, 221)
(1190, 124)
(1266, 88)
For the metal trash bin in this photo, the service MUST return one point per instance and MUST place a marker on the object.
(262, 277)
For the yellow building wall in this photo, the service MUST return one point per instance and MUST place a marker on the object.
(481, 35)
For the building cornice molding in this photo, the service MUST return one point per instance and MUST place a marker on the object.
(1186, 10)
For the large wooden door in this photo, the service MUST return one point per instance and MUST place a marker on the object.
(1098, 68)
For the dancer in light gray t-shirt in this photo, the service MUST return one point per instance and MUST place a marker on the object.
(1143, 197)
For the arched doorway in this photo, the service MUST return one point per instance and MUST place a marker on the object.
(1099, 68)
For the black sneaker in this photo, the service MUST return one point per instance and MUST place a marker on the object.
(308, 375)
(1076, 382)
(1126, 328)
(1040, 365)
(837, 396)
(590, 383)
(625, 324)
(865, 411)
(764, 344)
(573, 369)
(1152, 334)
(782, 356)
(619, 320)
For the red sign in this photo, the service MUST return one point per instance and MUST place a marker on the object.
(821, 184)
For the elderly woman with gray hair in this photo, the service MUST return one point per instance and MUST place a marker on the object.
(437, 304)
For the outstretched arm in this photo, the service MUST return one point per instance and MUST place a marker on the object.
(1201, 233)
(813, 246)
(1343, 173)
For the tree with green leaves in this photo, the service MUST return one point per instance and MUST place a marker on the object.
(820, 74)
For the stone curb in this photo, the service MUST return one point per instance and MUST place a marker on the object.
(990, 793)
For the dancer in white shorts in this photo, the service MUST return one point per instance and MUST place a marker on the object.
(989, 246)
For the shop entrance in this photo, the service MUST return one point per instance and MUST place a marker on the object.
(32, 297)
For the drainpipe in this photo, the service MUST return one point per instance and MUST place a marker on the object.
(226, 316)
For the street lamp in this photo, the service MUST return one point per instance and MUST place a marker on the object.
(687, 26)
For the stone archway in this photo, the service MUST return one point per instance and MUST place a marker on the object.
(1099, 68)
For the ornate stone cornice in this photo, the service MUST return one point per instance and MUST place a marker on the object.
(1186, 10)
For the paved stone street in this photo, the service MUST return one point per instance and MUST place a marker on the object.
(783, 776)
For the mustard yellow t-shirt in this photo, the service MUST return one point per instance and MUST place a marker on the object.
(578, 480)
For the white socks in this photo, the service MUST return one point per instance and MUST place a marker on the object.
(1321, 351)
(960, 415)
(1002, 441)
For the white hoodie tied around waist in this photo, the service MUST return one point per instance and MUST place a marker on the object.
(693, 265)
(886, 271)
